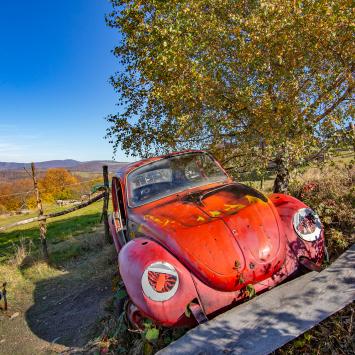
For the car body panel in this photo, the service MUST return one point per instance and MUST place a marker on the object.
(287, 206)
(232, 233)
(139, 254)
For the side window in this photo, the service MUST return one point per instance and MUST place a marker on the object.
(209, 167)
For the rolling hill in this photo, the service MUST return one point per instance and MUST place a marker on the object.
(70, 164)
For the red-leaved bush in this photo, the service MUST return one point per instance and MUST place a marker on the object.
(330, 192)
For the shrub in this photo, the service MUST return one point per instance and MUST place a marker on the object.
(330, 192)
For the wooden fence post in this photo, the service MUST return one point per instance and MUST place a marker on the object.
(42, 222)
(105, 204)
(4, 295)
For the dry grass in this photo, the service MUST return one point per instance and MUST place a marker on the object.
(83, 263)
(23, 253)
(334, 335)
(19, 289)
(330, 192)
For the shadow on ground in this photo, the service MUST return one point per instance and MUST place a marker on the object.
(68, 306)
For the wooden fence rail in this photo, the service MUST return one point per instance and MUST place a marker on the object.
(54, 214)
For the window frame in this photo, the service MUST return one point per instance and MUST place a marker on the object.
(174, 193)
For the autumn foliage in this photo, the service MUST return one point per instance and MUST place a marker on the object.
(10, 202)
(57, 184)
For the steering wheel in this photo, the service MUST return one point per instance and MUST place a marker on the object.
(145, 192)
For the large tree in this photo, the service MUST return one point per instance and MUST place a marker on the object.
(252, 81)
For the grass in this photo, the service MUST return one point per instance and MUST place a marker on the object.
(79, 259)
(335, 335)
(345, 157)
(58, 229)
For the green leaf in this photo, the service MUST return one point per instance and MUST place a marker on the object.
(308, 337)
(250, 290)
(121, 293)
(299, 343)
(147, 323)
(237, 265)
(152, 334)
(187, 311)
(241, 279)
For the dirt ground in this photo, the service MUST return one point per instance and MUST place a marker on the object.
(56, 310)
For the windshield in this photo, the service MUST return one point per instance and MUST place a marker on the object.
(171, 175)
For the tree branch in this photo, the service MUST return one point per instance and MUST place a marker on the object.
(335, 104)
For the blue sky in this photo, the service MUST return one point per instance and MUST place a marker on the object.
(55, 62)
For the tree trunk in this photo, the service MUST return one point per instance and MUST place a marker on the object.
(282, 174)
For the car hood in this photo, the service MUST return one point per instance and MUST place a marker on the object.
(228, 236)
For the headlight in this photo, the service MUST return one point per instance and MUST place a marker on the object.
(307, 224)
(160, 281)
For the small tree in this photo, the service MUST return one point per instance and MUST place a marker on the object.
(252, 81)
(57, 183)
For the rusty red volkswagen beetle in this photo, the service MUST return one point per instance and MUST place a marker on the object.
(190, 240)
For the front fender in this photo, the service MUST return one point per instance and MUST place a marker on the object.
(287, 206)
(133, 259)
(114, 234)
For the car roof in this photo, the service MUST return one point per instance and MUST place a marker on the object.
(125, 169)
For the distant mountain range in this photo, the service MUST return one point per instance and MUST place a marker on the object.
(70, 164)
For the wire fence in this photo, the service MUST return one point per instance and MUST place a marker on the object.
(17, 194)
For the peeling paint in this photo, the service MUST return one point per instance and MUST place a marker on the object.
(160, 221)
(214, 213)
(228, 207)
